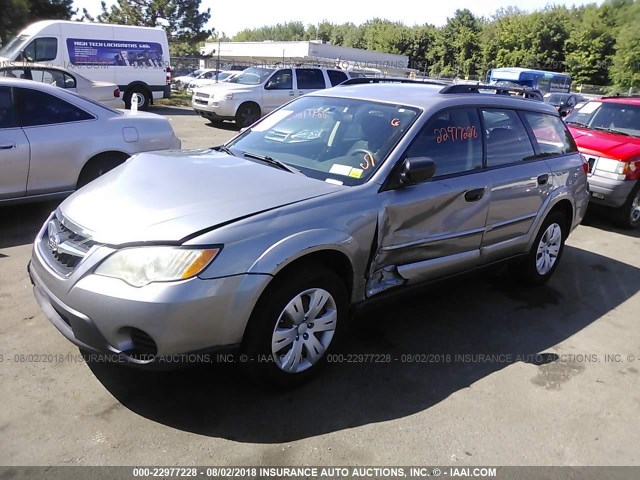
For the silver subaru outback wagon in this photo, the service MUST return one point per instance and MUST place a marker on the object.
(337, 198)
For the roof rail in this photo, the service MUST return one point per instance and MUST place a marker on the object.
(622, 95)
(525, 92)
(364, 80)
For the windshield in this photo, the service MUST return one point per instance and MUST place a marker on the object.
(608, 116)
(253, 76)
(13, 47)
(556, 99)
(338, 140)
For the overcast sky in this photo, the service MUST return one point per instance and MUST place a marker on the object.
(231, 17)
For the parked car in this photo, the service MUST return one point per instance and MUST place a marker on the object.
(340, 197)
(134, 58)
(211, 78)
(563, 102)
(103, 92)
(257, 91)
(181, 82)
(53, 141)
(607, 132)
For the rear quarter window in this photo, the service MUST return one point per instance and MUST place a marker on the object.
(336, 77)
(550, 134)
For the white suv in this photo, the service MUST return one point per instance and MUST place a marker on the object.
(257, 91)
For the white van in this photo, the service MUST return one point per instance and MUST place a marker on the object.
(134, 58)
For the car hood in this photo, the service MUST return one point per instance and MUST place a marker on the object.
(604, 144)
(228, 87)
(168, 196)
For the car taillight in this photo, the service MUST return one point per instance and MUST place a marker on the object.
(585, 164)
(168, 71)
(116, 93)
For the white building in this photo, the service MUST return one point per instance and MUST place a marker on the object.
(309, 52)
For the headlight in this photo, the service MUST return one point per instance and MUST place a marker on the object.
(143, 265)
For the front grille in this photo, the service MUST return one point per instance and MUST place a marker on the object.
(200, 102)
(64, 248)
(202, 95)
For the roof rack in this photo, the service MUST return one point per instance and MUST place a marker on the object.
(364, 80)
(525, 92)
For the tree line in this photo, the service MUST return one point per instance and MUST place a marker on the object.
(597, 45)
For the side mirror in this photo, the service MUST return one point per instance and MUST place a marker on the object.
(417, 170)
(270, 85)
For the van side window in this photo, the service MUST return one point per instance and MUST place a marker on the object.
(310, 78)
(551, 134)
(7, 112)
(39, 108)
(507, 139)
(41, 50)
(453, 139)
(336, 77)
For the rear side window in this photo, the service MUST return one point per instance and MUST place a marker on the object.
(310, 78)
(507, 139)
(39, 108)
(452, 139)
(41, 50)
(551, 134)
(7, 112)
(336, 77)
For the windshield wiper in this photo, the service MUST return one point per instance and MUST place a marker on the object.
(273, 161)
(572, 122)
(223, 148)
(612, 130)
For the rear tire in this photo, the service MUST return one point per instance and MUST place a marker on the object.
(287, 340)
(247, 114)
(99, 165)
(543, 258)
(628, 215)
(144, 97)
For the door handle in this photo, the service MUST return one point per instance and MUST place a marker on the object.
(543, 179)
(474, 195)
(292, 94)
(7, 147)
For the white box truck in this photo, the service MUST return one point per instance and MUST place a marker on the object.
(134, 58)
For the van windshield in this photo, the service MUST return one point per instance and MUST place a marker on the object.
(10, 49)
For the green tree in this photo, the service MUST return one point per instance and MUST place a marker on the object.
(625, 71)
(17, 14)
(182, 20)
(457, 46)
(591, 46)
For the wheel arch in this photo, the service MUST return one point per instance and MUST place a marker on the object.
(334, 250)
(107, 154)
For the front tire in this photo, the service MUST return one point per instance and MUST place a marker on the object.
(543, 258)
(247, 114)
(628, 215)
(294, 325)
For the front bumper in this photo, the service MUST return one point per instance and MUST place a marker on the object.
(105, 315)
(216, 109)
(609, 192)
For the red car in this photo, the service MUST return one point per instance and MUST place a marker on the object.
(607, 132)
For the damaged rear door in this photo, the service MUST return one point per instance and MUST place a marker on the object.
(435, 228)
